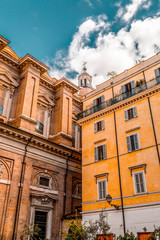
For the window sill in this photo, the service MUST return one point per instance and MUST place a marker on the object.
(100, 160)
(129, 120)
(140, 194)
(134, 150)
(99, 131)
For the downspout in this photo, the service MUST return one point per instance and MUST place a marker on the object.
(20, 191)
(65, 186)
(154, 131)
(119, 174)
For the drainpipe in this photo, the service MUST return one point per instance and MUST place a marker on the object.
(20, 191)
(154, 131)
(119, 174)
(65, 185)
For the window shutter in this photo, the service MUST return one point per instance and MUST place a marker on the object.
(104, 189)
(96, 154)
(129, 144)
(102, 124)
(132, 84)
(95, 127)
(157, 72)
(126, 115)
(104, 152)
(136, 142)
(133, 87)
(134, 112)
(99, 190)
(123, 89)
(102, 98)
(95, 102)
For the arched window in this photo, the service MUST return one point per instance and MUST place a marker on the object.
(81, 83)
(85, 82)
(1, 109)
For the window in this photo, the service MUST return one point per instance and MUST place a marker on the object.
(39, 127)
(1, 109)
(133, 142)
(157, 73)
(41, 221)
(100, 152)
(85, 82)
(139, 182)
(98, 101)
(98, 126)
(102, 189)
(43, 181)
(130, 113)
(128, 89)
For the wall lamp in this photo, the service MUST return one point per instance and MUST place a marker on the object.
(109, 200)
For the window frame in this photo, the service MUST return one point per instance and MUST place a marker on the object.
(96, 153)
(96, 126)
(98, 192)
(144, 182)
(96, 99)
(138, 141)
(126, 114)
(47, 177)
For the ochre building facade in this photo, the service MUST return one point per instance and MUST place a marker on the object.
(40, 159)
(120, 150)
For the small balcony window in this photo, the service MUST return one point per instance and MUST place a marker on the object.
(128, 89)
(1, 109)
(39, 127)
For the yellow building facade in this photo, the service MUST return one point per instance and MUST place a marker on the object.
(120, 149)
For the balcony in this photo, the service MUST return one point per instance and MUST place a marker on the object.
(119, 98)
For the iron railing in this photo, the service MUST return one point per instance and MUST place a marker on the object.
(119, 98)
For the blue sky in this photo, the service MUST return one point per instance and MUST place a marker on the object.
(109, 35)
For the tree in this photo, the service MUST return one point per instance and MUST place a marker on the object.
(155, 235)
(127, 236)
(99, 226)
(78, 231)
(111, 74)
(30, 232)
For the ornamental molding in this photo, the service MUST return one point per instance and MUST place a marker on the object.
(101, 175)
(120, 105)
(23, 137)
(144, 165)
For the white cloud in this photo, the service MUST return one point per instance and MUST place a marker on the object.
(110, 52)
(127, 12)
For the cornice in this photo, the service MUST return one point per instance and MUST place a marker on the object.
(122, 104)
(22, 136)
(123, 78)
(64, 82)
(28, 59)
(7, 58)
(46, 82)
(3, 42)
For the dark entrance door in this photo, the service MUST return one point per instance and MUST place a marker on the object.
(40, 220)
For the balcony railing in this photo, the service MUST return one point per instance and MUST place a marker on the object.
(119, 98)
